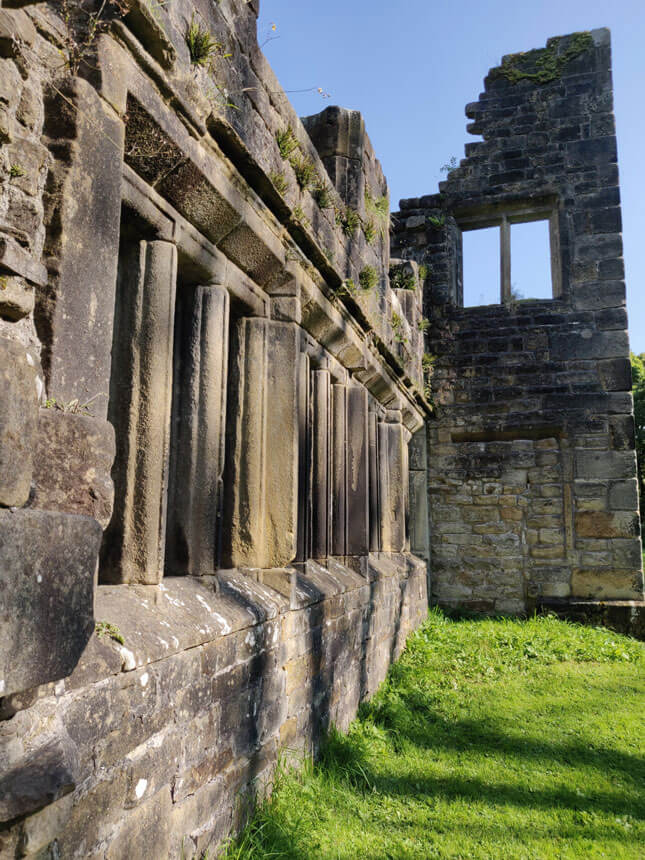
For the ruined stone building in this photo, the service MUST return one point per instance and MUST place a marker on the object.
(237, 441)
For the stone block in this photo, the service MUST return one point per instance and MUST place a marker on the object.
(73, 456)
(587, 344)
(47, 575)
(18, 420)
(145, 831)
(600, 524)
(605, 464)
(608, 584)
(623, 495)
(16, 298)
(47, 770)
(627, 553)
(615, 374)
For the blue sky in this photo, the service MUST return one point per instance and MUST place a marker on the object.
(411, 67)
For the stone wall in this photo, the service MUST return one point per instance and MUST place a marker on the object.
(208, 390)
(531, 466)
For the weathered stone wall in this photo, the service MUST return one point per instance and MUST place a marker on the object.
(207, 393)
(531, 466)
(157, 747)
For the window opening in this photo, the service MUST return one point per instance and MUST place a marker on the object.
(531, 261)
(509, 261)
(481, 267)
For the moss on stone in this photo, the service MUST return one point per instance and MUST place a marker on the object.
(545, 65)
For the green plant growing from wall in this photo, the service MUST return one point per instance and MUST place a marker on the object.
(304, 169)
(287, 142)
(377, 210)
(424, 271)
(402, 278)
(299, 215)
(74, 406)
(279, 182)
(83, 22)
(347, 288)
(322, 194)
(437, 221)
(424, 324)
(201, 44)
(370, 231)
(349, 220)
(16, 170)
(427, 366)
(368, 278)
(398, 328)
(449, 166)
(104, 628)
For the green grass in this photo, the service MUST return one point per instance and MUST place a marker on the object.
(489, 739)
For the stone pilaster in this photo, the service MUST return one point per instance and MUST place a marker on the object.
(199, 423)
(140, 401)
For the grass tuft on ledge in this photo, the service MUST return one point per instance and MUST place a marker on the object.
(490, 738)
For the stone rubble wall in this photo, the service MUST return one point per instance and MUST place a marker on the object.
(531, 466)
(204, 427)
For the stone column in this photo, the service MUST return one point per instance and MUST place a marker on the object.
(304, 391)
(339, 428)
(374, 483)
(245, 491)
(262, 500)
(140, 399)
(320, 464)
(357, 472)
(406, 488)
(282, 434)
(199, 422)
(418, 481)
(391, 464)
(75, 310)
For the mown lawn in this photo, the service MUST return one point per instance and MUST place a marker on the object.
(489, 739)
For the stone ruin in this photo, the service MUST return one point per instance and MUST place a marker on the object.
(229, 467)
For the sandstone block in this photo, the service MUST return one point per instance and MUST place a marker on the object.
(16, 298)
(611, 584)
(605, 464)
(623, 495)
(600, 524)
(47, 571)
(18, 418)
(47, 771)
(72, 461)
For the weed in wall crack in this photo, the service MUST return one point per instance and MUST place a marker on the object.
(104, 628)
(287, 143)
(201, 44)
(279, 182)
(349, 220)
(322, 194)
(368, 278)
(304, 169)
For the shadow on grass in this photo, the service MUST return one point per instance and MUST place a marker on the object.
(417, 721)
(346, 760)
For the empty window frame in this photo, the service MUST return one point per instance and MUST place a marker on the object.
(510, 257)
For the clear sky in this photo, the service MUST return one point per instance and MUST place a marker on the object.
(411, 67)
